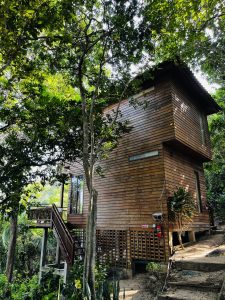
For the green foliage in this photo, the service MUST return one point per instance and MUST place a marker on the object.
(28, 248)
(29, 289)
(3, 285)
(51, 194)
(193, 31)
(181, 206)
(74, 288)
(215, 170)
(57, 83)
(154, 267)
(181, 210)
(2, 247)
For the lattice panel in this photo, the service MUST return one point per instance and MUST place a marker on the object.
(119, 247)
(145, 245)
(79, 240)
(112, 247)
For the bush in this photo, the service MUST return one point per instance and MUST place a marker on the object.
(154, 267)
(51, 286)
(29, 289)
(3, 286)
(73, 289)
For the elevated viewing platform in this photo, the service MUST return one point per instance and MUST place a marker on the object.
(41, 217)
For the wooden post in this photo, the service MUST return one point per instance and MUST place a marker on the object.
(66, 270)
(65, 274)
(62, 195)
(129, 259)
(58, 252)
(191, 236)
(43, 252)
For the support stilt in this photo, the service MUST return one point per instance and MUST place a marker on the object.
(65, 274)
(58, 255)
(43, 252)
(191, 236)
(66, 270)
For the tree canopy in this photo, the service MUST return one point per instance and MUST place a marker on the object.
(62, 62)
(215, 170)
(56, 81)
(193, 30)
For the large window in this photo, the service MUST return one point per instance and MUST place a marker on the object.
(198, 191)
(76, 194)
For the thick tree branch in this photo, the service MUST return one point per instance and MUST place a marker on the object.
(216, 16)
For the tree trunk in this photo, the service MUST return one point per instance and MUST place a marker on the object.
(180, 229)
(11, 247)
(90, 248)
(180, 239)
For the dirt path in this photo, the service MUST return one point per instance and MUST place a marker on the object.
(200, 251)
(210, 249)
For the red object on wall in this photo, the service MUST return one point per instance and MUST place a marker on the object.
(159, 231)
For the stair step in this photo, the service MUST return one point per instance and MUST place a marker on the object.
(199, 266)
(218, 231)
(183, 294)
(195, 278)
(195, 285)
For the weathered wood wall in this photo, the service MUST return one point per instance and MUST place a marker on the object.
(132, 191)
(179, 171)
(190, 123)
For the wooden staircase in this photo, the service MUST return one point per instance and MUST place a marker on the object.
(50, 217)
(66, 241)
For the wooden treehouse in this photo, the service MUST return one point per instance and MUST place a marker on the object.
(166, 149)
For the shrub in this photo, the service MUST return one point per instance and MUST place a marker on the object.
(154, 267)
(182, 210)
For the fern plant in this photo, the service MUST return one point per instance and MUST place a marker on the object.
(182, 209)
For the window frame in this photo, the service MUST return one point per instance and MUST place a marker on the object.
(76, 195)
(203, 122)
(198, 191)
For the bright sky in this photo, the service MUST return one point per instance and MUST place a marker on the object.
(211, 88)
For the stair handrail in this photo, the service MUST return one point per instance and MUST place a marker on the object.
(63, 234)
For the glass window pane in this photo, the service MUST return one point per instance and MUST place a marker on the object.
(76, 194)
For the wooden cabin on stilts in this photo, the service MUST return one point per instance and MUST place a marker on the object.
(166, 149)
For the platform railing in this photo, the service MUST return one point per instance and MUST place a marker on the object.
(40, 215)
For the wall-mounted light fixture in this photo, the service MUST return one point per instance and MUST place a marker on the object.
(158, 216)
